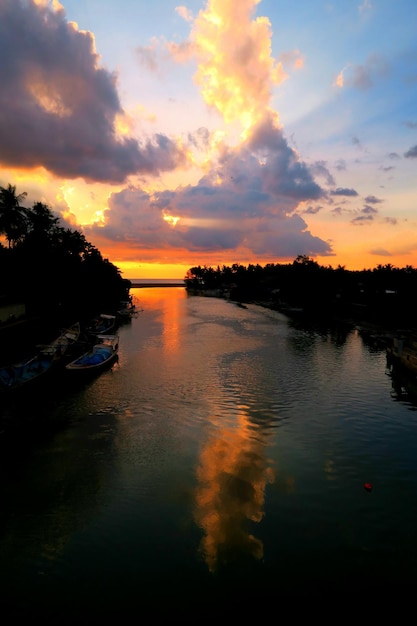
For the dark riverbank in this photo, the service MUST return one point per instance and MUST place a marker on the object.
(380, 327)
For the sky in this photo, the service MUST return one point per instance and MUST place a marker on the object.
(216, 132)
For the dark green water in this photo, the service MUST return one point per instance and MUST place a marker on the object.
(218, 466)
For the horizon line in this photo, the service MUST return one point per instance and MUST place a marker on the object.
(158, 280)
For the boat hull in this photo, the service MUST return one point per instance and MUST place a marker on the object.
(99, 357)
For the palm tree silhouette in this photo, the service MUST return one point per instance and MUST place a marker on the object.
(13, 216)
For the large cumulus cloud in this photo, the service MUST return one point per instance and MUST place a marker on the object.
(246, 202)
(59, 108)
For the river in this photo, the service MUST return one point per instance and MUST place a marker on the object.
(231, 458)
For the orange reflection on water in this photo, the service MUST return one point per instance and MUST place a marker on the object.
(169, 308)
(232, 477)
(171, 313)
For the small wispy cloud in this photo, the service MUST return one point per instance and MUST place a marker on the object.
(411, 153)
(410, 124)
(363, 76)
(380, 252)
(369, 210)
(340, 165)
(365, 7)
(362, 220)
(373, 200)
(343, 191)
(184, 13)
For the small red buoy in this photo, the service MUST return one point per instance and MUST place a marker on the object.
(368, 486)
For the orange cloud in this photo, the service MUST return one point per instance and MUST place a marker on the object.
(235, 66)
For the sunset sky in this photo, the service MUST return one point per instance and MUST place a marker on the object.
(216, 131)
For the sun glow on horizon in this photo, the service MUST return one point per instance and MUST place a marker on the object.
(137, 270)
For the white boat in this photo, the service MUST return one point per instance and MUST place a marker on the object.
(99, 357)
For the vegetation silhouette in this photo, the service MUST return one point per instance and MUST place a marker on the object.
(60, 277)
(383, 296)
(53, 271)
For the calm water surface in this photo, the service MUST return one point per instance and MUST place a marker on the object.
(221, 462)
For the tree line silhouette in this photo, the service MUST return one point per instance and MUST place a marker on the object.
(384, 295)
(58, 275)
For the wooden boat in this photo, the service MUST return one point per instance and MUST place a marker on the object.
(127, 310)
(14, 376)
(61, 344)
(46, 359)
(102, 324)
(99, 357)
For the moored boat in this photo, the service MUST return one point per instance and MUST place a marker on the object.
(59, 346)
(127, 310)
(14, 376)
(46, 358)
(101, 324)
(99, 357)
